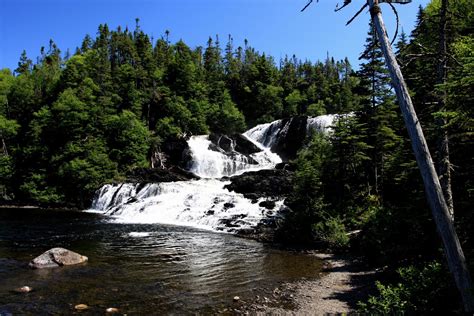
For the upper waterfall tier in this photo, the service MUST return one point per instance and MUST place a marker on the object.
(286, 136)
(211, 161)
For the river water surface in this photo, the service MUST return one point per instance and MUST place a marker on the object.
(144, 269)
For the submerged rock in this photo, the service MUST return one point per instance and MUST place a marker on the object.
(57, 257)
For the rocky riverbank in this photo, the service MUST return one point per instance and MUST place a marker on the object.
(343, 282)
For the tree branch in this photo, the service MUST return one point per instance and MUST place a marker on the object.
(346, 3)
(357, 14)
(308, 4)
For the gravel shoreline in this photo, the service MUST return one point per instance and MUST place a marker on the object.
(344, 282)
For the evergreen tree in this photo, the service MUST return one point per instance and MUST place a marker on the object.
(379, 110)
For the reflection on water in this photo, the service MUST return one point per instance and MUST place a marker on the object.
(140, 269)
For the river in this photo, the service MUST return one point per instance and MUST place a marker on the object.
(138, 268)
(156, 248)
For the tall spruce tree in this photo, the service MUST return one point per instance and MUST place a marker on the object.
(379, 110)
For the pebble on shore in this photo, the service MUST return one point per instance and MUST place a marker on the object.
(81, 307)
(23, 289)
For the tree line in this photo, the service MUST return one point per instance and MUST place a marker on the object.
(71, 122)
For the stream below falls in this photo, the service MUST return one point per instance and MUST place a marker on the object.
(141, 269)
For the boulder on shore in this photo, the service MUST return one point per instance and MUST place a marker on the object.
(57, 257)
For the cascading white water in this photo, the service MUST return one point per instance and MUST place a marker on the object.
(200, 203)
(322, 123)
(265, 134)
(203, 203)
(268, 134)
(208, 163)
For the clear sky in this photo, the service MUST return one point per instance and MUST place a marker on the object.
(276, 27)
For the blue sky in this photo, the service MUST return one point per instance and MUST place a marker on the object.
(276, 27)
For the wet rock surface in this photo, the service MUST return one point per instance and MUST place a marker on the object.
(262, 183)
(291, 138)
(148, 175)
(177, 152)
(234, 143)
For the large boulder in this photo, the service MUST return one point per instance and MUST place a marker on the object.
(245, 146)
(233, 143)
(263, 183)
(57, 257)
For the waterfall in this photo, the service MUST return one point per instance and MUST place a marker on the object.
(268, 134)
(265, 134)
(322, 123)
(199, 203)
(205, 203)
(212, 162)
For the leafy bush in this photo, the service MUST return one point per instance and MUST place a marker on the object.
(420, 290)
(332, 232)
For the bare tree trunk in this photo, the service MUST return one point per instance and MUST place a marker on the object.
(4, 147)
(439, 208)
(442, 158)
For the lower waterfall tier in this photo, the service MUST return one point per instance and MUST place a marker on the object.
(199, 203)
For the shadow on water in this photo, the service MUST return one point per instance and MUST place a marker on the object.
(140, 269)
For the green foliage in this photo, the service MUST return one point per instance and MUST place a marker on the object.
(316, 109)
(6, 175)
(307, 200)
(36, 189)
(420, 290)
(85, 166)
(8, 128)
(128, 139)
(332, 232)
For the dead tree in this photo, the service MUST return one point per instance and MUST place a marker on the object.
(442, 158)
(436, 200)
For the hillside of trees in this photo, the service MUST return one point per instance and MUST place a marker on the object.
(72, 122)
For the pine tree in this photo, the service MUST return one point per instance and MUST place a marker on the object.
(379, 110)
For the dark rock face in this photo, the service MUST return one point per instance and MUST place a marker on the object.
(267, 229)
(233, 143)
(291, 137)
(244, 146)
(268, 204)
(262, 183)
(223, 143)
(148, 175)
(177, 152)
(57, 257)
(286, 166)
